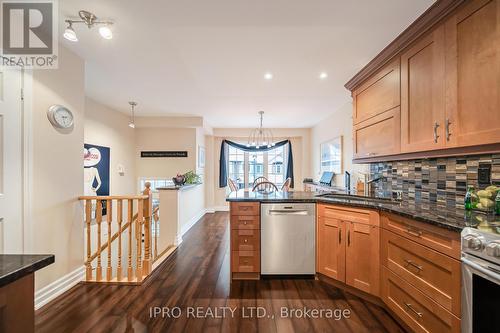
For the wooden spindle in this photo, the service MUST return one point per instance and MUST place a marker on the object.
(130, 208)
(98, 219)
(156, 234)
(148, 211)
(138, 226)
(119, 218)
(88, 219)
(109, 215)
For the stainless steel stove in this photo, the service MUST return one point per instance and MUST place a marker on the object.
(481, 277)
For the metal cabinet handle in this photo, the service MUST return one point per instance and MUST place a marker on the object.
(340, 236)
(246, 240)
(447, 129)
(410, 307)
(349, 237)
(245, 222)
(436, 136)
(411, 263)
(416, 233)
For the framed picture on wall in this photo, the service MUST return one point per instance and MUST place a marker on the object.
(201, 157)
(331, 155)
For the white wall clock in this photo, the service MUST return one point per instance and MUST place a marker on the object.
(60, 117)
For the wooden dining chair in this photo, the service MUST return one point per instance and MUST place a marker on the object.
(232, 185)
(265, 187)
(286, 185)
(259, 180)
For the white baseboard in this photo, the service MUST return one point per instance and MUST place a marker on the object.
(189, 225)
(56, 288)
(221, 209)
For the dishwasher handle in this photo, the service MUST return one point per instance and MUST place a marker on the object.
(303, 212)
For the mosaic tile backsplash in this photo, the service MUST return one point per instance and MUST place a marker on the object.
(442, 181)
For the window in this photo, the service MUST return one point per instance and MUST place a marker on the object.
(275, 162)
(236, 166)
(245, 167)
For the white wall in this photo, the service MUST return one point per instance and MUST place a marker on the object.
(56, 225)
(109, 128)
(165, 139)
(339, 123)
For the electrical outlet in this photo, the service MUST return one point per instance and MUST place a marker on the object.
(484, 175)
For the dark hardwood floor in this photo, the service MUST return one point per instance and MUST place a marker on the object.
(197, 275)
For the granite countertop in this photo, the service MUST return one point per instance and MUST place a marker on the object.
(452, 219)
(15, 266)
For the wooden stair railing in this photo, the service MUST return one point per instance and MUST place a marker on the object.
(139, 226)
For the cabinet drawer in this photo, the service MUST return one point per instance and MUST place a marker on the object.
(344, 213)
(245, 240)
(245, 208)
(245, 222)
(439, 239)
(245, 262)
(378, 94)
(378, 136)
(418, 311)
(433, 273)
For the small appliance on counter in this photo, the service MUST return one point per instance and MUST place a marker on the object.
(326, 178)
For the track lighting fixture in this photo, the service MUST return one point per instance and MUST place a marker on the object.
(90, 20)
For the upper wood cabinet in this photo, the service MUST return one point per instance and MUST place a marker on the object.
(378, 94)
(423, 94)
(473, 73)
(444, 75)
(378, 136)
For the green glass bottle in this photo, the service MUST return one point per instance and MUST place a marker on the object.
(497, 203)
(469, 198)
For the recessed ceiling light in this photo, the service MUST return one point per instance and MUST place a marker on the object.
(323, 75)
(268, 76)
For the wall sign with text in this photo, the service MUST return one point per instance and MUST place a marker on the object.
(164, 154)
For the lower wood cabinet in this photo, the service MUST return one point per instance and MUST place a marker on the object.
(417, 310)
(245, 240)
(348, 246)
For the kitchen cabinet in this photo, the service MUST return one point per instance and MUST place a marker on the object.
(378, 136)
(378, 94)
(446, 68)
(423, 94)
(348, 246)
(245, 240)
(473, 73)
(362, 260)
(330, 259)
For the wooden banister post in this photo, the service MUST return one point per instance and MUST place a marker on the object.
(98, 219)
(119, 214)
(109, 215)
(148, 212)
(130, 211)
(138, 228)
(88, 219)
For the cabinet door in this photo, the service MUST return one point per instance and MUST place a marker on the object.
(423, 94)
(331, 248)
(379, 136)
(378, 94)
(473, 73)
(363, 257)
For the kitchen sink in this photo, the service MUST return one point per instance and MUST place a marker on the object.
(353, 197)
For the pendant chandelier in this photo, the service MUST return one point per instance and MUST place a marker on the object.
(131, 123)
(261, 137)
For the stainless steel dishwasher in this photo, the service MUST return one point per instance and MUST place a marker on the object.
(288, 237)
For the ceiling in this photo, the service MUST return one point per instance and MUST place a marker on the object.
(208, 57)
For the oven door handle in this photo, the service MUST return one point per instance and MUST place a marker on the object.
(489, 272)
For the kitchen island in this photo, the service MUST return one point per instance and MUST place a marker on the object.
(17, 289)
(405, 255)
